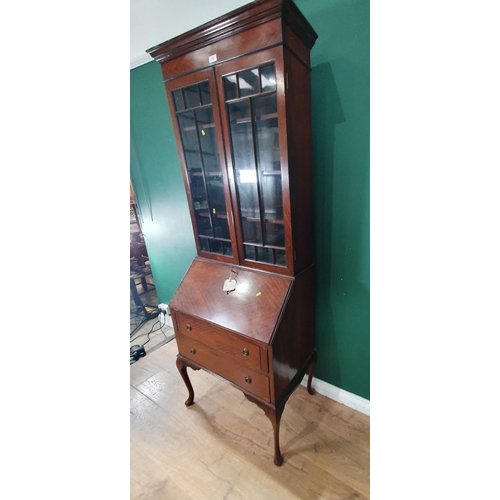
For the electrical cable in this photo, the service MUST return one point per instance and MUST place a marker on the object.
(148, 333)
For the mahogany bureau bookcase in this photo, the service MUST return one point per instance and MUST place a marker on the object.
(239, 90)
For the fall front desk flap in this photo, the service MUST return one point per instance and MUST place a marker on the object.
(252, 308)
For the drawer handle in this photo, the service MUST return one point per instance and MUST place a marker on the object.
(248, 380)
(189, 327)
(245, 351)
(193, 350)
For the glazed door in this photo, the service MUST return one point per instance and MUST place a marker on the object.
(193, 103)
(251, 92)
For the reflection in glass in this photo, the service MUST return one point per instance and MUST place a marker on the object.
(192, 96)
(230, 87)
(178, 100)
(248, 82)
(268, 78)
(205, 93)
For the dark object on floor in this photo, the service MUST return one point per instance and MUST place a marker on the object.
(136, 352)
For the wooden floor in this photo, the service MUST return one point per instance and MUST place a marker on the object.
(221, 447)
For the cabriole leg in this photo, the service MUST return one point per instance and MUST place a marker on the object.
(312, 366)
(183, 371)
(275, 417)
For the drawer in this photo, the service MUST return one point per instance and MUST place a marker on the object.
(220, 364)
(242, 350)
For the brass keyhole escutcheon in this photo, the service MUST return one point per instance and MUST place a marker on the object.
(189, 328)
(193, 350)
(245, 351)
(248, 380)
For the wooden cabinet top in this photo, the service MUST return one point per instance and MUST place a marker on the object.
(253, 309)
(246, 17)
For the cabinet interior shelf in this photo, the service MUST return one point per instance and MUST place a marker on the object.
(248, 96)
(196, 151)
(207, 174)
(212, 238)
(206, 214)
(260, 245)
(267, 221)
(257, 118)
(200, 125)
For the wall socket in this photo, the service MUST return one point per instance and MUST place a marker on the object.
(164, 311)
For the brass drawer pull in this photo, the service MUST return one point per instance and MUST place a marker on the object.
(245, 351)
(248, 380)
(189, 327)
(193, 350)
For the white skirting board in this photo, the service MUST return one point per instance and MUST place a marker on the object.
(346, 398)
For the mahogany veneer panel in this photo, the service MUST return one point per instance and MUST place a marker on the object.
(294, 340)
(299, 129)
(252, 309)
(246, 42)
(241, 349)
(216, 362)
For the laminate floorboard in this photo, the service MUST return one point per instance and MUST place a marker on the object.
(221, 447)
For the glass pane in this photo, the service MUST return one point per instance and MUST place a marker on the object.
(264, 107)
(198, 194)
(189, 140)
(243, 155)
(249, 203)
(205, 93)
(179, 101)
(239, 112)
(221, 228)
(268, 78)
(216, 195)
(208, 139)
(280, 258)
(275, 235)
(250, 252)
(248, 82)
(252, 232)
(227, 248)
(272, 199)
(192, 96)
(203, 224)
(265, 255)
(204, 244)
(268, 155)
(230, 87)
(215, 246)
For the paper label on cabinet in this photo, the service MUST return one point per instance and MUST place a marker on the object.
(212, 58)
(229, 285)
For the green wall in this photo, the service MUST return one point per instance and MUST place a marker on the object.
(157, 181)
(340, 78)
